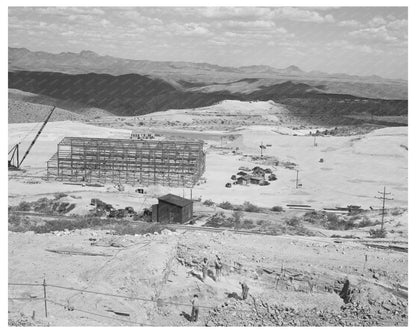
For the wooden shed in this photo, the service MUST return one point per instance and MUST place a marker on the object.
(172, 209)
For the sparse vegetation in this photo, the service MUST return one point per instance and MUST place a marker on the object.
(60, 195)
(365, 222)
(263, 223)
(378, 233)
(333, 221)
(293, 221)
(45, 205)
(278, 209)
(219, 220)
(23, 206)
(226, 205)
(208, 203)
(19, 223)
(248, 224)
(397, 211)
(249, 207)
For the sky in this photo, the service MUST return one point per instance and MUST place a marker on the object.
(352, 40)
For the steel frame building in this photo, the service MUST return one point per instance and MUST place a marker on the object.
(126, 161)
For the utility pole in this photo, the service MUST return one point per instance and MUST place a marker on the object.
(384, 193)
(297, 178)
(44, 297)
(261, 149)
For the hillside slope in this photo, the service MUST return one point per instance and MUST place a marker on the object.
(133, 94)
(26, 107)
(127, 95)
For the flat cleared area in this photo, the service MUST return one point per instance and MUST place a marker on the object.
(352, 170)
(149, 279)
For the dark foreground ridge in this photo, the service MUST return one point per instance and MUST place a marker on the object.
(134, 94)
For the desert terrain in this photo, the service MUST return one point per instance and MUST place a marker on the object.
(283, 240)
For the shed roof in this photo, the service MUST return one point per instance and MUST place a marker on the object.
(175, 200)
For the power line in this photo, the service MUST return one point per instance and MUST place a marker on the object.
(26, 299)
(160, 302)
(25, 284)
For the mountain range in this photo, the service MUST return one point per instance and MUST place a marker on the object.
(79, 81)
(203, 73)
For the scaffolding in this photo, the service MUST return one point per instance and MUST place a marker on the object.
(124, 161)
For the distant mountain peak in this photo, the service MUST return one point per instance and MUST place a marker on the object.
(293, 68)
(87, 53)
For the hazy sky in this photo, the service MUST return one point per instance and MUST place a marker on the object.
(353, 40)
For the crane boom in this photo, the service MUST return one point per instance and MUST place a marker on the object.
(16, 147)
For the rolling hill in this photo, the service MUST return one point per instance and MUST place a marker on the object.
(134, 94)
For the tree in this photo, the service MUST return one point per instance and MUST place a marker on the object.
(237, 217)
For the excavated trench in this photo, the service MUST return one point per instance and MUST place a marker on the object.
(361, 302)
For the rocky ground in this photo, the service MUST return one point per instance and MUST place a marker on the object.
(293, 280)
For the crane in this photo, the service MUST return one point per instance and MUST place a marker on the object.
(14, 162)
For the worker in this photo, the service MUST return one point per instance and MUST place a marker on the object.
(218, 268)
(244, 289)
(204, 268)
(195, 308)
(345, 293)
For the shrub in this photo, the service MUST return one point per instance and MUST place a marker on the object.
(378, 233)
(263, 223)
(14, 219)
(60, 195)
(365, 222)
(293, 221)
(226, 205)
(219, 220)
(247, 224)
(43, 205)
(277, 209)
(348, 224)
(396, 211)
(208, 203)
(346, 236)
(236, 218)
(24, 206)
(336, 223)
(249, 207)
(316, 217)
